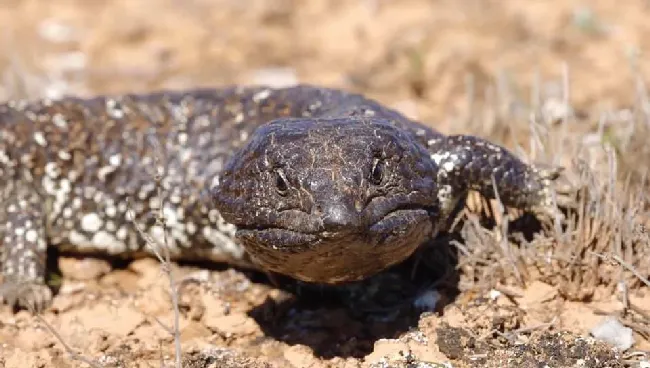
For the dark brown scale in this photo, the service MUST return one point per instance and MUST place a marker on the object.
(318, 184)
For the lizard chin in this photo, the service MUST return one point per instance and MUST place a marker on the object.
(341, 255)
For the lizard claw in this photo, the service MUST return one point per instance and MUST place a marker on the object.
(547, 172)
(552, 194)
(550, 212)
(34, 296)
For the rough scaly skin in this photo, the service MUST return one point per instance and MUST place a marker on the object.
(315, 183)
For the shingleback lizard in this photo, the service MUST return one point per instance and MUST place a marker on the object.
(318, 184)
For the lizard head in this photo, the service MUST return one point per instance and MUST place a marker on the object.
(329, 200)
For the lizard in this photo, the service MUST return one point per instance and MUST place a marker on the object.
(320, 184)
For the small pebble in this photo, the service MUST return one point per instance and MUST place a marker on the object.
(611, 331)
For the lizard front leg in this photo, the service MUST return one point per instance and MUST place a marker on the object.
(23, 248)
(471, 163)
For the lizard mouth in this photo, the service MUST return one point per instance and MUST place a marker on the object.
(319, 254)
(312, 228)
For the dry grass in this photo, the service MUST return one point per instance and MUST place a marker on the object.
(161, 251)
(604, 242)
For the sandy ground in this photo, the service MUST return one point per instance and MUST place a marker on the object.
(484, 67)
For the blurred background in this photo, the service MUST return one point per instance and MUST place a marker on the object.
(428, 58)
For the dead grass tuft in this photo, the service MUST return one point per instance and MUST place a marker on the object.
(603, 245)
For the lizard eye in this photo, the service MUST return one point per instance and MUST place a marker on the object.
(281, 182)
(377, 172)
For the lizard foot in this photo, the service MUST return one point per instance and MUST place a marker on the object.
(553, 195)
(30, 295)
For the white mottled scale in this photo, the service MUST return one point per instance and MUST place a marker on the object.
(85, 195)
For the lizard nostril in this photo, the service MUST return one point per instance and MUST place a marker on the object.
(316, 210)
(337, 217)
